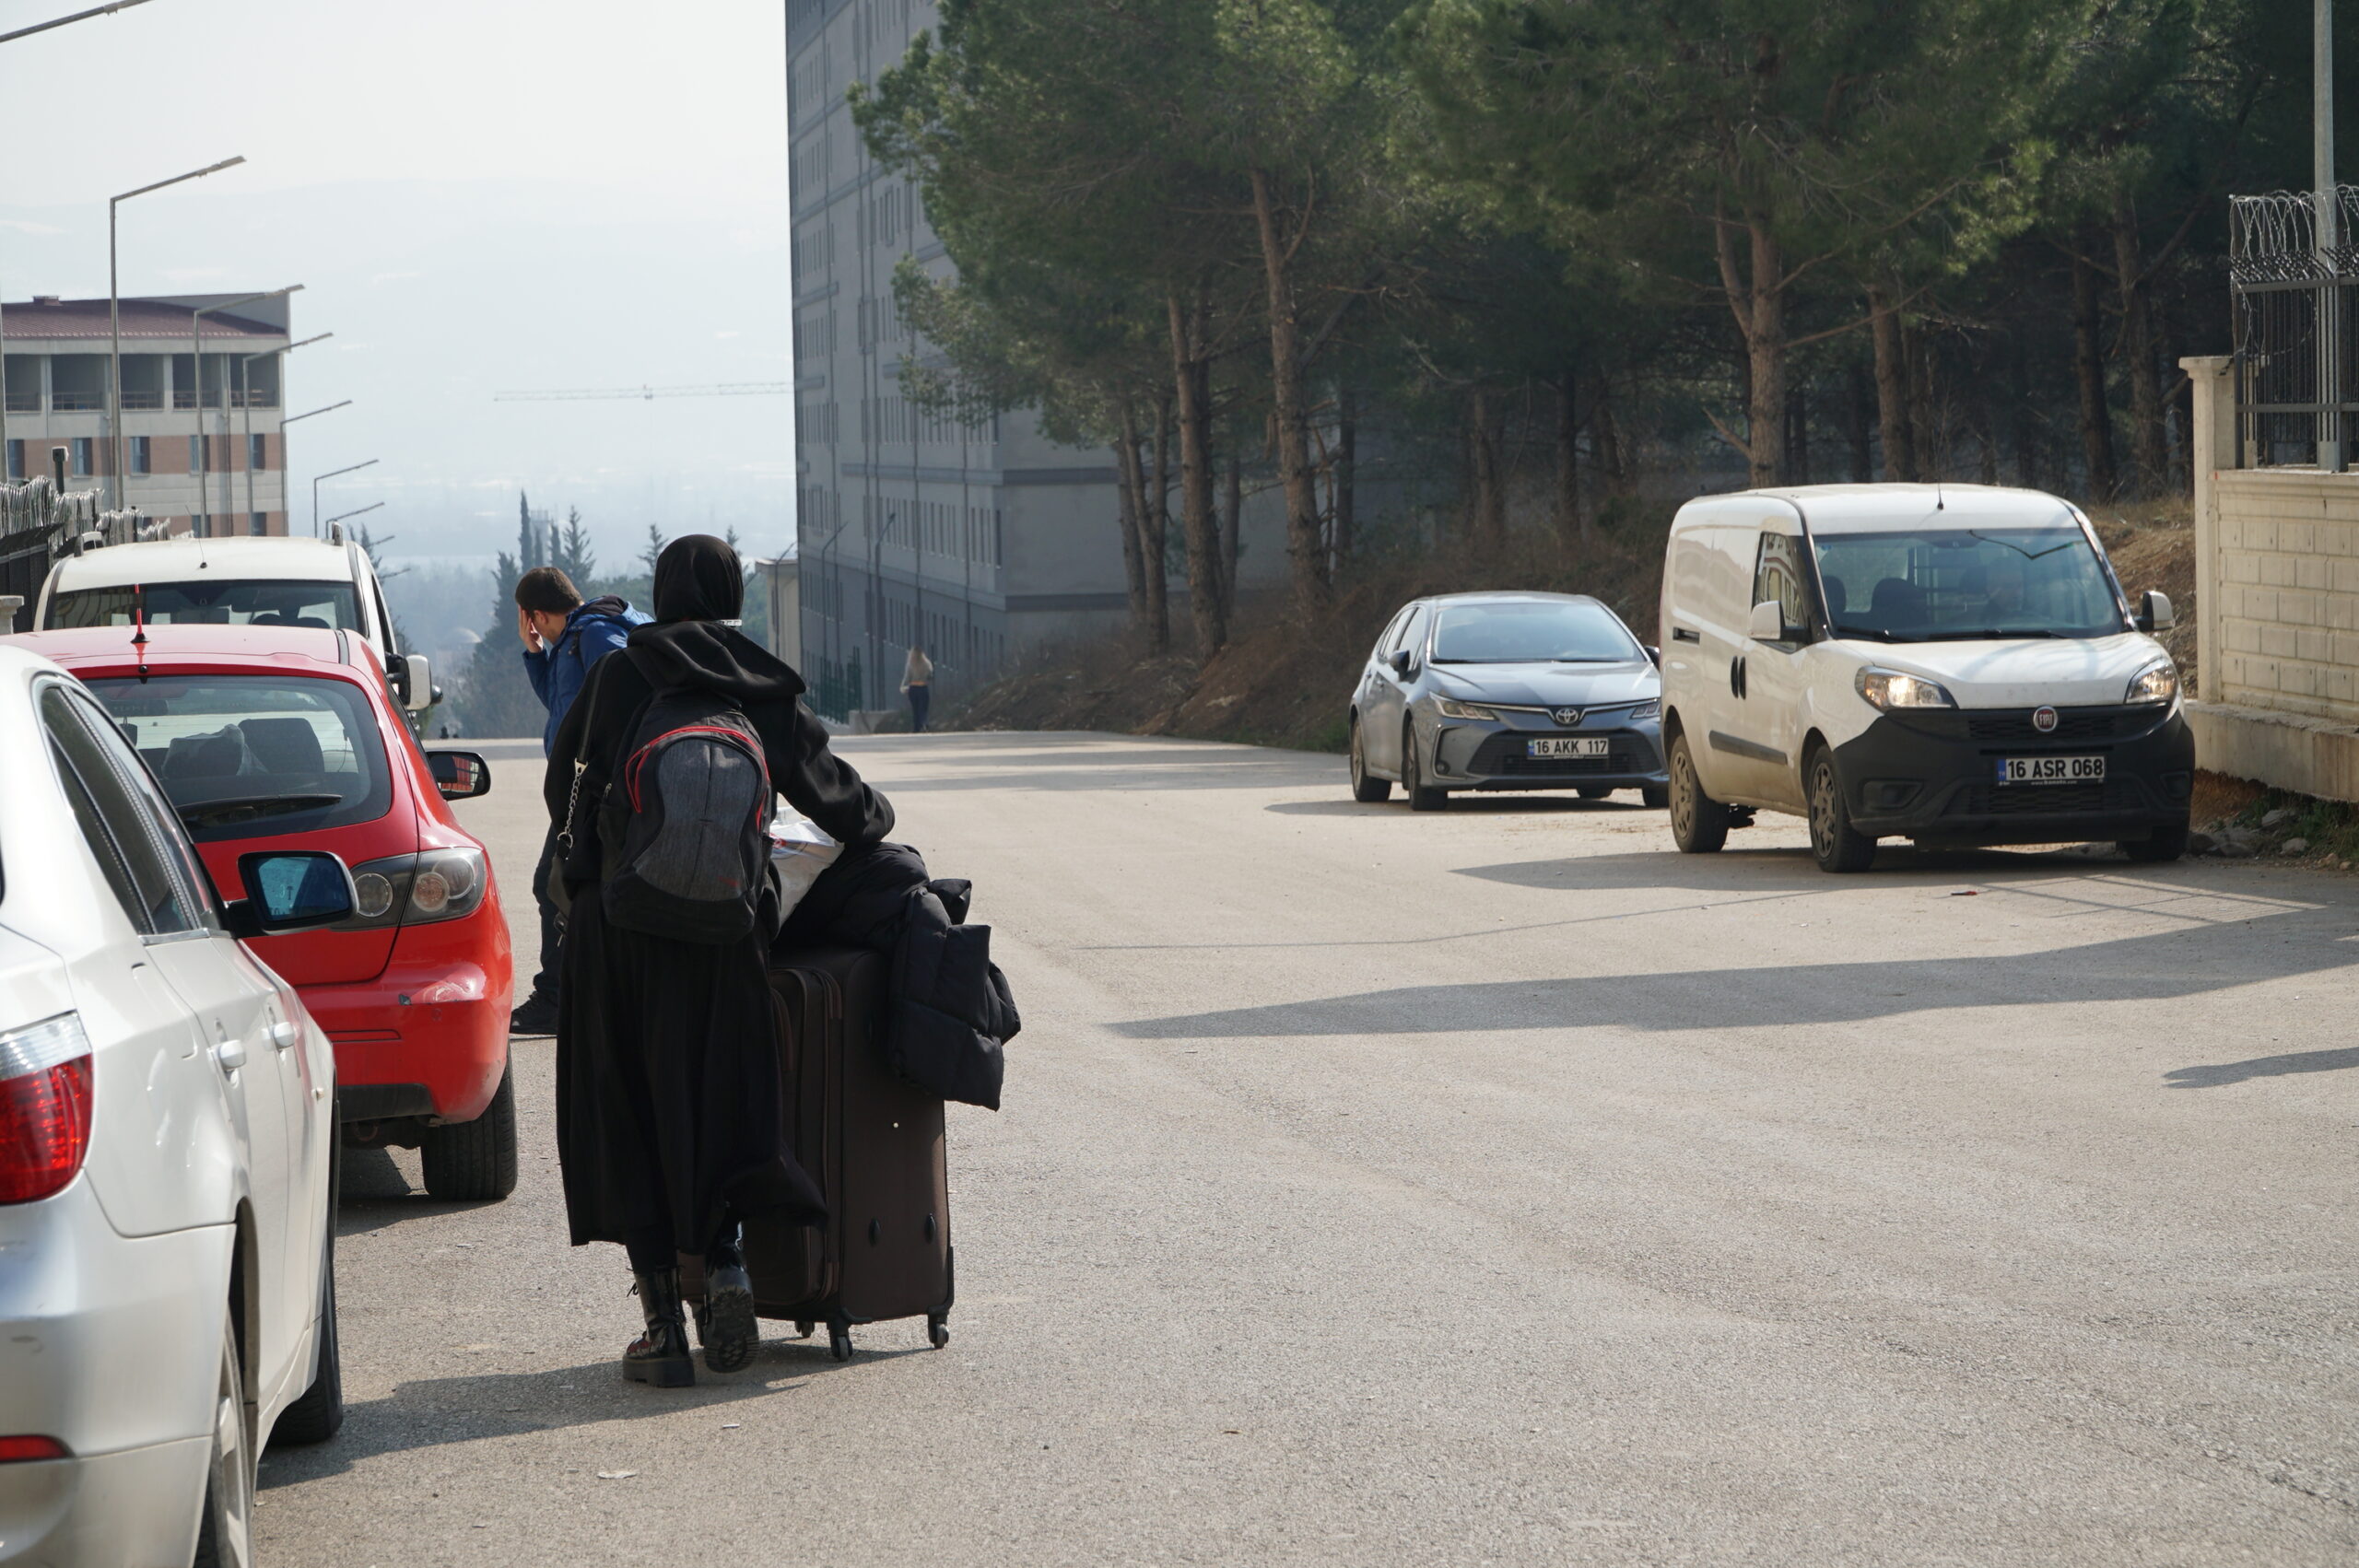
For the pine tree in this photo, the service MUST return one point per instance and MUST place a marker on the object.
(571, 550)
(656, 542)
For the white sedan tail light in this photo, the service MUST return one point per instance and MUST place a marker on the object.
(44, 1106)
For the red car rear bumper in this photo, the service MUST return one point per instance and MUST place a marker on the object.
(428, 1035)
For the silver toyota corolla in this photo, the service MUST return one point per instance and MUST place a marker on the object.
(1507, 691)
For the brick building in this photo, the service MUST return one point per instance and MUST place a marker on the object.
(220, 469)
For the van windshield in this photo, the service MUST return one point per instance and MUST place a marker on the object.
(245, 756)
(1531, 631)
(330, 606)
(1959, 585)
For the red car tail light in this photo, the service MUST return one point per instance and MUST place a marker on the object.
(44, 1106)
(13, 1449)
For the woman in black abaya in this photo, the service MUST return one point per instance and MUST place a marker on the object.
(668, 1085)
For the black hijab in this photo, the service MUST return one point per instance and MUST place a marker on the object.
(697, 579)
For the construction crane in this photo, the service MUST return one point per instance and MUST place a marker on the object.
(580, 395)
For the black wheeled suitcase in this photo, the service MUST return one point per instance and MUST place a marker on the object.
(874, 1145)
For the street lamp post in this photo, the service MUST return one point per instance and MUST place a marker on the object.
(330, 473)
(114, 320)
(246, 379)
(359, 511)
(204, 457)
(107, 10)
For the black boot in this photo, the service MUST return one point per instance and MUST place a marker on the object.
(661, 1355)
(725, 1323)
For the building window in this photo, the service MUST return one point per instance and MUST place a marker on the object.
(255, 445)
(81, 458)
(258, 523)
(16, 460)
(139, 456)
(195, 456)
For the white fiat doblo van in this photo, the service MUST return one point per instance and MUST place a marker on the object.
(1952, 664)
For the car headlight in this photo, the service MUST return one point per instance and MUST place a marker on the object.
(2157, 682)
(1645, 710)
(1449, 708)
(1889, 689)
(415, 890)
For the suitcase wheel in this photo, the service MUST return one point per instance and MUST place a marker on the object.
(937, 1330)
(839, 1342)
(803, 1327)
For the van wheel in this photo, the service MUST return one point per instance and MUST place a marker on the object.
(2164, 844)
(1699, 824)
(1654, 797)
(1594, 791)
(474, 1162)
(1422, 796)
(225, 1530)
(1366, 788)
(1833, 842)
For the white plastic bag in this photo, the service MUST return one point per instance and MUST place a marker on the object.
(800, 850)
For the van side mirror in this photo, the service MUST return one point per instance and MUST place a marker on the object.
(289, 890)
(459, 775)
(1769, 624)
(2154, 613)
(415, 686)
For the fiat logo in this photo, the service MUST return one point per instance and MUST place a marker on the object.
(1567, 717)
(2043, 719)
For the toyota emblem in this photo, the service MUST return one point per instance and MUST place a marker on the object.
(1567, 717)
(2043, 719)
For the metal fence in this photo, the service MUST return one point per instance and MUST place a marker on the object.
(2296, 329)
(39, 521)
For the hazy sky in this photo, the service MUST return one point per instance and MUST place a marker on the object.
(477, 195)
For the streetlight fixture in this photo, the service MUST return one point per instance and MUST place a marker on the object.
(246, 380)
(330, 473)
(331, 408)
(114, 319)
(204, 457)
(360, 512)
(107, 10)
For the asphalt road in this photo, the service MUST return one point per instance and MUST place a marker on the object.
(1491, 1187)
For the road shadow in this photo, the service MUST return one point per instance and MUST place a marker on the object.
(2219, 956)
(1471, 806)
(377, 1193)
(1789, 869)
(2227, 1072)
(431, 1411)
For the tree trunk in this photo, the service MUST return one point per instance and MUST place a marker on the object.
(2025, 433)
(1572, 528)
(1198, 526)
(1892, 385)
(1127, 504)
(1797, 428)
(1308, 560)
(1348, 440)
(1858, 395)
(1760, 307)
(1613, 455)
(2088, 367)
(1932, 434)
(1149, 515)
(1232, 513)
(1986, 435)
(1487, 518)
(2138, 350)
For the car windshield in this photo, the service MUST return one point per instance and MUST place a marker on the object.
(266, 602)
(243, 756)
(1956, 585)
(1531, 631)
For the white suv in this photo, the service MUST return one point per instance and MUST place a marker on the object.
(269, 582)
(167, 1149)
(1952, 664)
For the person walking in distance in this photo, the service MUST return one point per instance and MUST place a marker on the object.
(563, 637)
(668, 1085)
(915, 678)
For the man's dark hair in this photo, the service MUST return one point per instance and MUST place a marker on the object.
(545, 590)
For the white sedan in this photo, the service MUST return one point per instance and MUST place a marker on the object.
(167, 1157)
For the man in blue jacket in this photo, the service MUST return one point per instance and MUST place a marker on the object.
(562, 637)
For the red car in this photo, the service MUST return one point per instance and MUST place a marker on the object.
(270, 738)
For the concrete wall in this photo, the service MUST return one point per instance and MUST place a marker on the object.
(2277, 600)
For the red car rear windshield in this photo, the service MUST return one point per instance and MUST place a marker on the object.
(247, 757)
